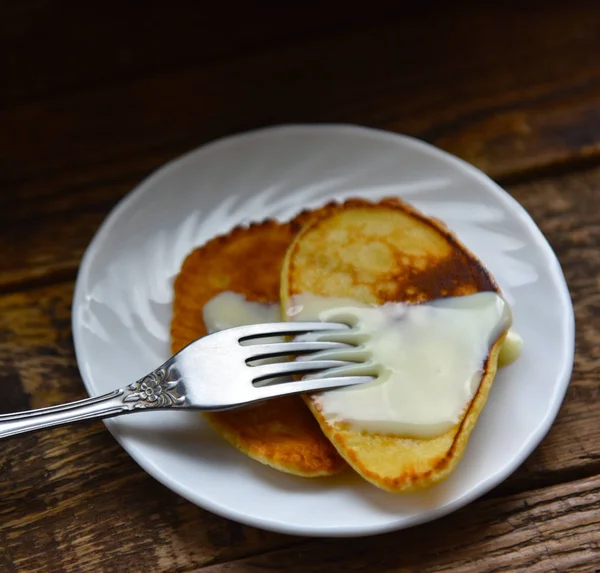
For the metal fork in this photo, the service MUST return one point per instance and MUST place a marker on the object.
(216, 372)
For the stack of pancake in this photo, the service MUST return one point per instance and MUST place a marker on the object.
(370, 252)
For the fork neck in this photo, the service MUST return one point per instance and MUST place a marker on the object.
(157, 390)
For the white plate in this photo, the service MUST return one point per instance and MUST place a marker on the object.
(122, 310)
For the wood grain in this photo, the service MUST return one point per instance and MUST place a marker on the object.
(471, 98)
(96, 511)
(48, 50)
(550, 530)
(565, 209)
(64, 161)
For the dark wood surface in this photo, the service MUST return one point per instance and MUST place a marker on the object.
(93, 100)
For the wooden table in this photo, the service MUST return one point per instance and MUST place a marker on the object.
(94, 99)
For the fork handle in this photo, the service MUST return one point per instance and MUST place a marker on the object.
(105, 406)
(158, 390)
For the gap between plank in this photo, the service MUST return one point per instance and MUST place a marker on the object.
(53, 277)
(570, 166)
(546, 480)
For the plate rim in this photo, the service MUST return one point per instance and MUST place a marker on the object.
(516, 210)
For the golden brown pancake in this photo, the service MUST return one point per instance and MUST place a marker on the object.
(281, 433)
(378, 253)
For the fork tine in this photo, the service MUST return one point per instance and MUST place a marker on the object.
(311, 385)
(288, 368)
(284, 328)
(257, 351)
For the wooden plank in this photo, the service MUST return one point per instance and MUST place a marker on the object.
(551, 530)
(94, 510)
(565, 209)
(64, 224)
(45, 51)
(503, 104)
(511, 108)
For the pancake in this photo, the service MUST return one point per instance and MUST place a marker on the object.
(378, 253)
(281, 433)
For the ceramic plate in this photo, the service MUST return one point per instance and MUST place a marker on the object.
(122, 310)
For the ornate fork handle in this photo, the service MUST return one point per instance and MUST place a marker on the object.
(159, 389)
